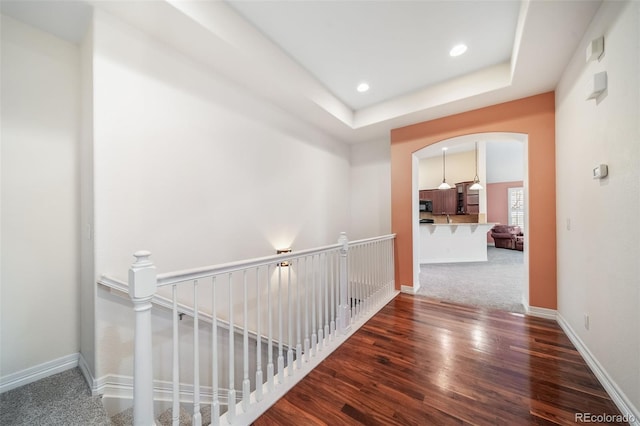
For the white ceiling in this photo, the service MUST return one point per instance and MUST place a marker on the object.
(308, 56)
(396, 46)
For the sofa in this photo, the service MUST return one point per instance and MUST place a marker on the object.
(508, 237)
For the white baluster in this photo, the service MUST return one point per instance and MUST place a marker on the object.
(383, 256)
(280, 335)
(258, 339)
(366, 261)
(385, 263)
(314, 336)
(354, 256)
(363, 278)
(197, 417)
(231, 396)
(175, 411)
(392, 272)
(372, 266)
(246, 384)
(290, 316)
(298, 316)
(343, 284)
(369, 265)
(327, 276)
(349, 286)
(333, 296)
(319, 302)
(142, 286)
(215, 406)
(383, 277)
(270, 334)
(307, 345)
(378, 272)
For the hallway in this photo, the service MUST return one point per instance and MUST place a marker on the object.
(423, 362)
(498, 283)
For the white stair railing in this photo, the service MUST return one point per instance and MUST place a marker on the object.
(298, 307)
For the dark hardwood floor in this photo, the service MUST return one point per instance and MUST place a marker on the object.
(424, 362)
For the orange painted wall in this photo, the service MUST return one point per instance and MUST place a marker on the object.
(497, 205)
(534, 116)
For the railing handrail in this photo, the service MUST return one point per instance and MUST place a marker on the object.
(170, 278)
(334, 289)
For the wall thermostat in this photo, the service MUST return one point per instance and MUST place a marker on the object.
(600, 171)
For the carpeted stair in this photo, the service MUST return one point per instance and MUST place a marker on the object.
(62, 399)
(125, 418)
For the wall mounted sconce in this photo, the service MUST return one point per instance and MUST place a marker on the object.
(599, 85)
(595, 49)
(284, 251)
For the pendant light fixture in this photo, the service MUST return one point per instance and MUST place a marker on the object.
(476, 180)
(444, 184)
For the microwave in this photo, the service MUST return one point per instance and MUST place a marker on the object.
(426, 206)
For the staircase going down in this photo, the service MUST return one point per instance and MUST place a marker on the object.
(61, 399)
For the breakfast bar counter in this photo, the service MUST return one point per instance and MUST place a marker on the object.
(453, 242)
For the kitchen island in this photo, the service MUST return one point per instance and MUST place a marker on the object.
(453, 242)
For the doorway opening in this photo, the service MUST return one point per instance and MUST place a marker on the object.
(446, 266)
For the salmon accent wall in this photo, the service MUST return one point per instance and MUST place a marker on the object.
(533, 116)
(497, 206)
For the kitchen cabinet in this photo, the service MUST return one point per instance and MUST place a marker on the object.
(443, 200)
(467, 200)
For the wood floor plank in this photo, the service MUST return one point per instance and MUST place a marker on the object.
(424, 362)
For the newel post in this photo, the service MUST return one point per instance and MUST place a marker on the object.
(142, 287)
(344, 284)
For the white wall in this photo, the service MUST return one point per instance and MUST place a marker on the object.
(40, 269)
(598, 232)
(370, 195)
(196, 170)
(505, 161)
(86, 214)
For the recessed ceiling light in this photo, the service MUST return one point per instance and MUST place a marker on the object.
(362, 87)
(458, 50)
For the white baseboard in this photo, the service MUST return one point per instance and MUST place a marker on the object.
(542, 312)
(37, 372)
(631, 413)
(410, 290)
(88, 376)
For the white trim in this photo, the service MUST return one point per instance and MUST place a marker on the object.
(625, 406)
(117, 390)
(117, 394)
(270, 398)
(410, 290)
(88, 376)
(542, 312)
(37, 372)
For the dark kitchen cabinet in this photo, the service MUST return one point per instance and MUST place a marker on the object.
(467, 200)
(443, 200)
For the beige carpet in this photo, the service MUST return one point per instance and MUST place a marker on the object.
(495, 284)
(62, 399)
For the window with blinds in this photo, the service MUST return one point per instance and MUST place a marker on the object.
(516, 207)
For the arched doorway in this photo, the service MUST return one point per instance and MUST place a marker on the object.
(533, 116)
(469, 281)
